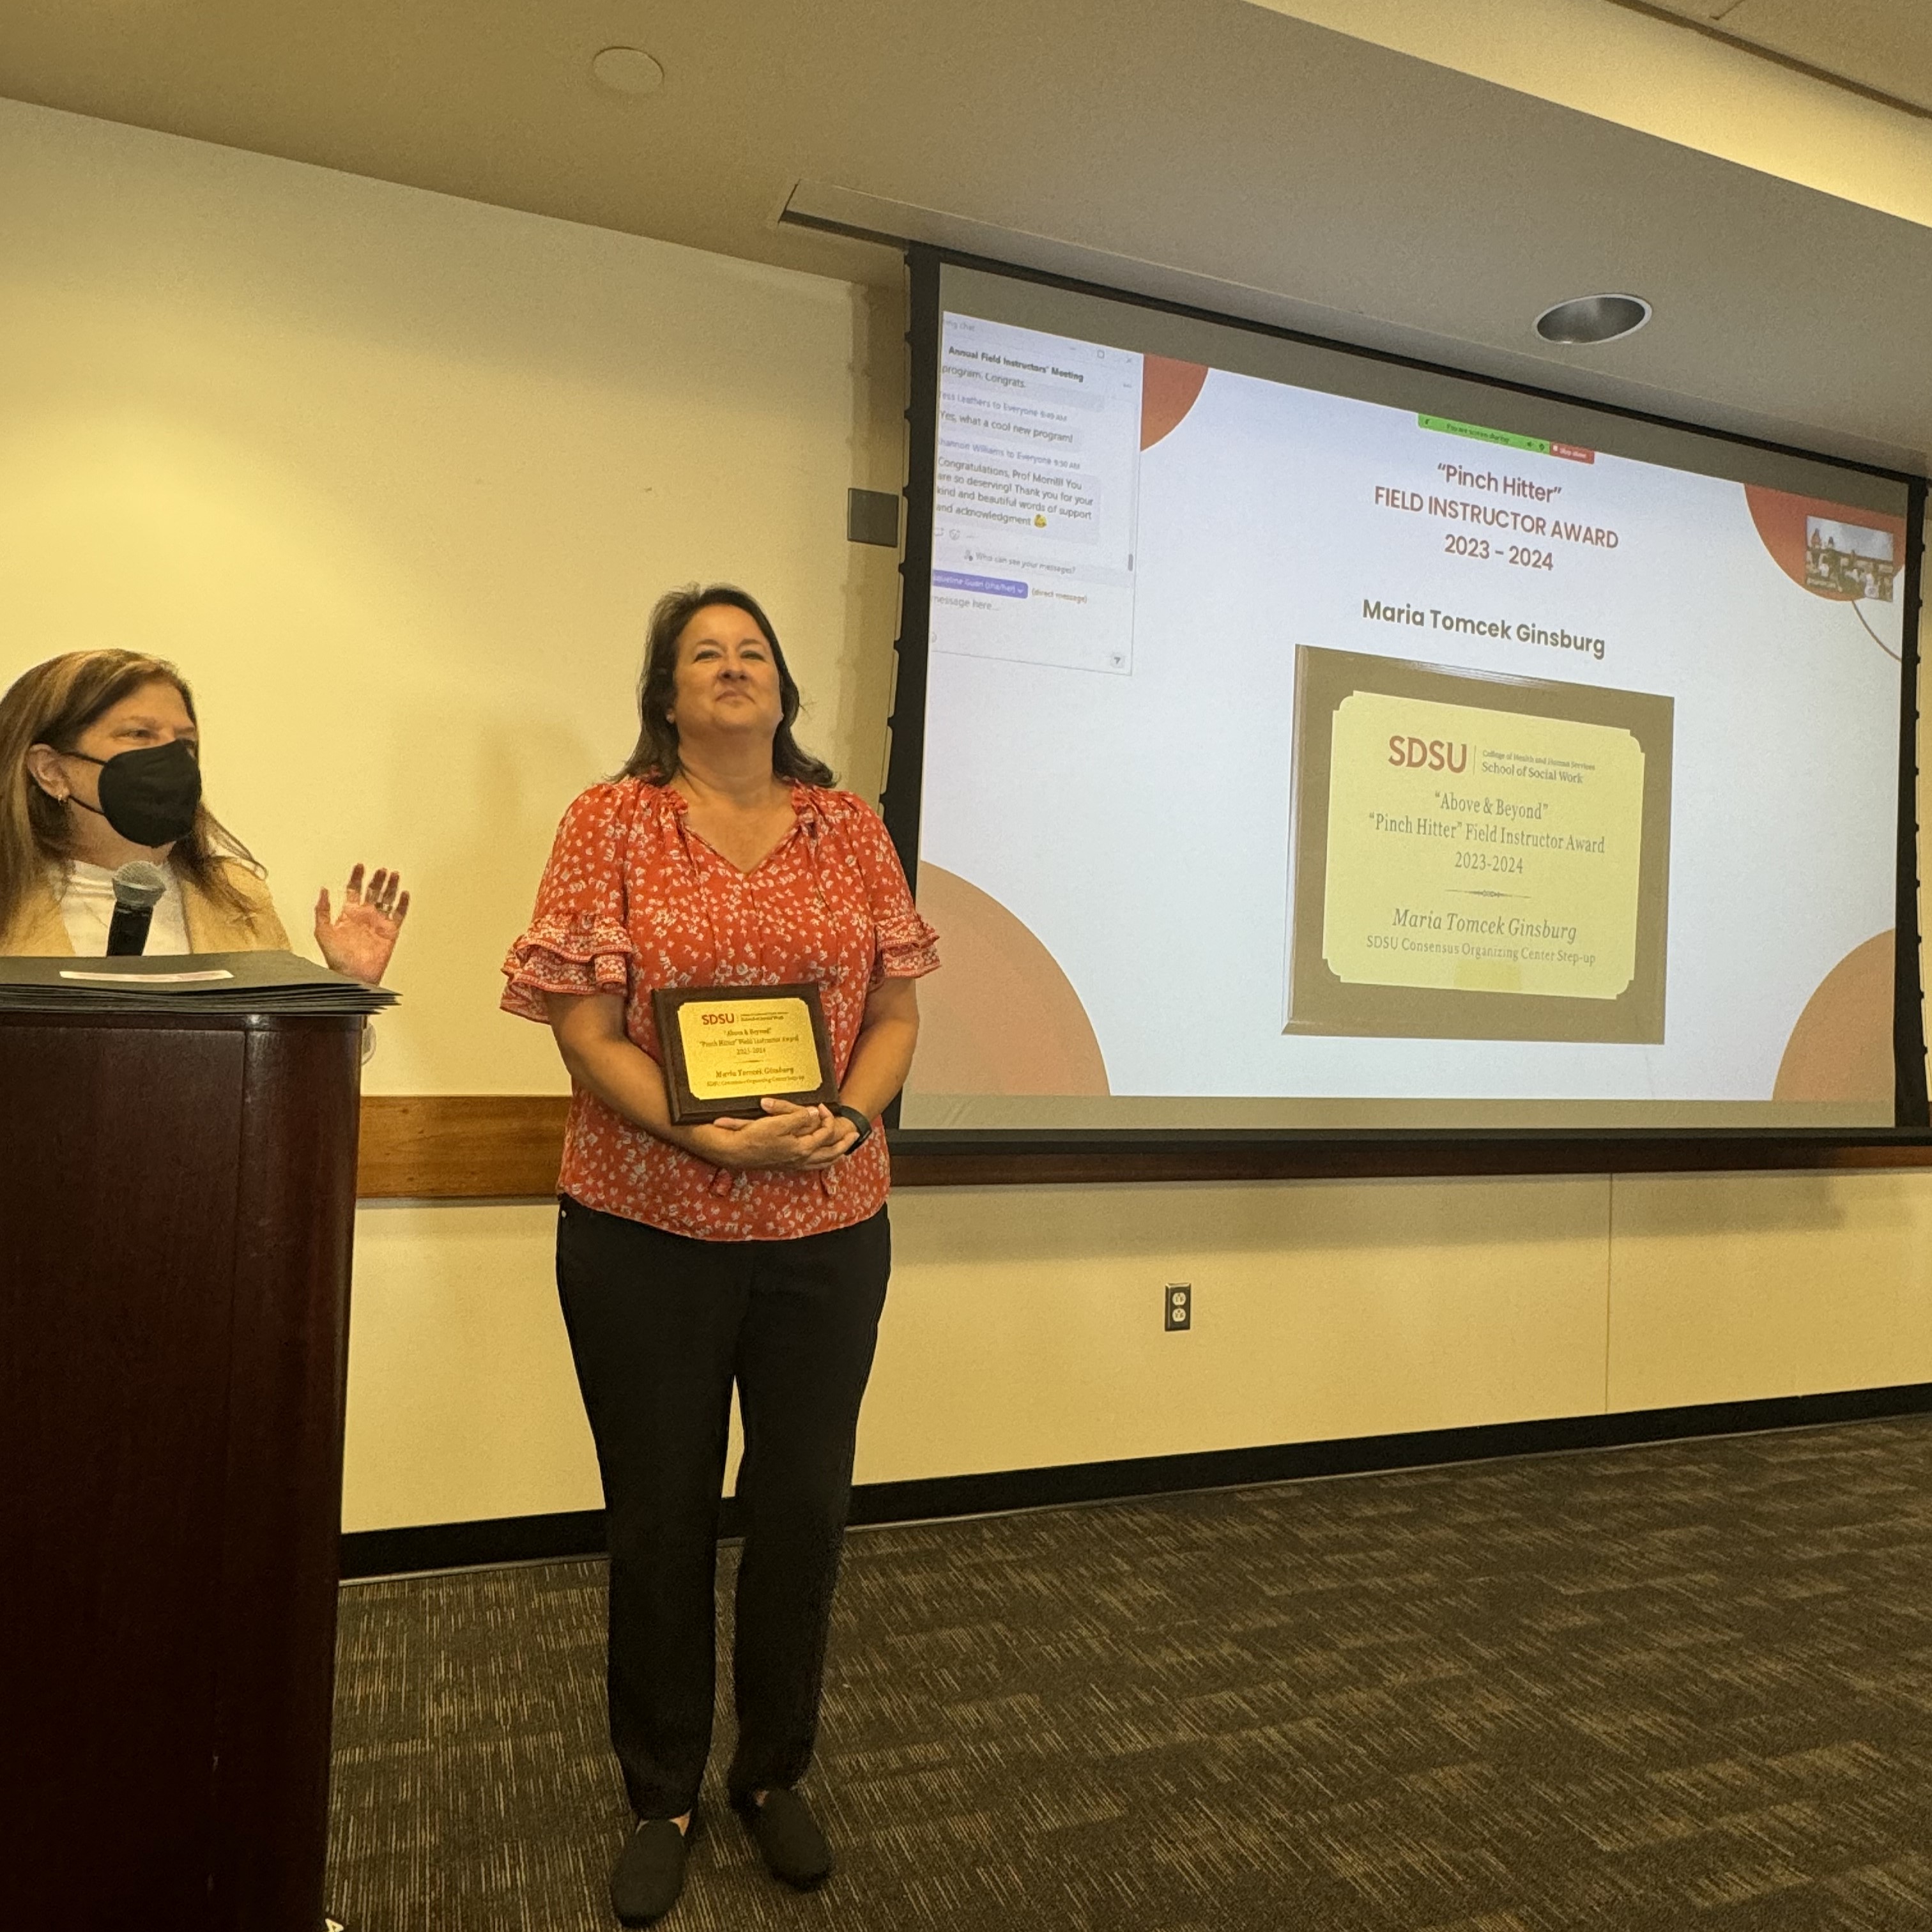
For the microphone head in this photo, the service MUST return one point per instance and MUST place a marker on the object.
(138, 886)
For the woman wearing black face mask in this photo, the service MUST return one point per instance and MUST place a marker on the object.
(99, 765)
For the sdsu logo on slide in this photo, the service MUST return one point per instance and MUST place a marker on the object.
(1435, 755)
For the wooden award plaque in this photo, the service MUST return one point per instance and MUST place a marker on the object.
(727, 1048)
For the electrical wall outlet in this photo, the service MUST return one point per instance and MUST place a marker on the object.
(1179, 1309)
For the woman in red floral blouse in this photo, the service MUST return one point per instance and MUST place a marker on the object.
(755, 1251)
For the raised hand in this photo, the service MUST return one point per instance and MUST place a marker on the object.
(359, 940)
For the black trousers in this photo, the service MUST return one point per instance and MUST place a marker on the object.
(660, 1326)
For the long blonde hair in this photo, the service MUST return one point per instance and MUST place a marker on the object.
(53, 704)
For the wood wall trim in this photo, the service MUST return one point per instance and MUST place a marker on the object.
(460, 1147)
(481, 1146)
(1382, 1159)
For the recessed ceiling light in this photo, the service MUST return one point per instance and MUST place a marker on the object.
(627, 71)
(1593, 318)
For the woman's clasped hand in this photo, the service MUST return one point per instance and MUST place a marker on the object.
(785, 1135)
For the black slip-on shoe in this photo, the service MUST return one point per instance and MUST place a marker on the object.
(787, 1835)
(649, 1874)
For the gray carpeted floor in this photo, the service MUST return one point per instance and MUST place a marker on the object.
(1688, 1686)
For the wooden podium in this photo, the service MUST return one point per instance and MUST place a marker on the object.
(177, 1197)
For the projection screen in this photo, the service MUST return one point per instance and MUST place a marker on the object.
(1289, 737)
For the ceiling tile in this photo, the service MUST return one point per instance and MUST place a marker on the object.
(1886, 45)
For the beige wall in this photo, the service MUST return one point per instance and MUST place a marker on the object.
(1024, 1328)
(396, 478)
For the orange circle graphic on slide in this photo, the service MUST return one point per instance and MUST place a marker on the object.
(1002, 1017)
(1169, 390)
(1840, 1049)
(1784, 523)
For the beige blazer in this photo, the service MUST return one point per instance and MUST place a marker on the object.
(39, 933)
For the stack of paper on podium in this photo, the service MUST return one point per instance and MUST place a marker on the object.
(194, 983)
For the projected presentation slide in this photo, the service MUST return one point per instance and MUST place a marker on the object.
(1523, 850)
(1313, 741)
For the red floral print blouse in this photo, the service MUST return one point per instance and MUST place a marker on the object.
(632, 899)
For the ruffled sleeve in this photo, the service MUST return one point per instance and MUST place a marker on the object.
(577, 940)
(904, 947)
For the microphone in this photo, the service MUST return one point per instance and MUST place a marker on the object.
(138, 887)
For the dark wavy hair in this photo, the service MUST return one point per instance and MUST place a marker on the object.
(655, 758)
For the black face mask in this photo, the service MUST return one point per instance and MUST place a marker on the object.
(149, 796)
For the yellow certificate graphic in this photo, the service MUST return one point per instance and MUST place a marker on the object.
(1479, 850)
(737, 1047)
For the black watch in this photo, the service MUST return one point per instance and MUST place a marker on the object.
(861, 1121)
